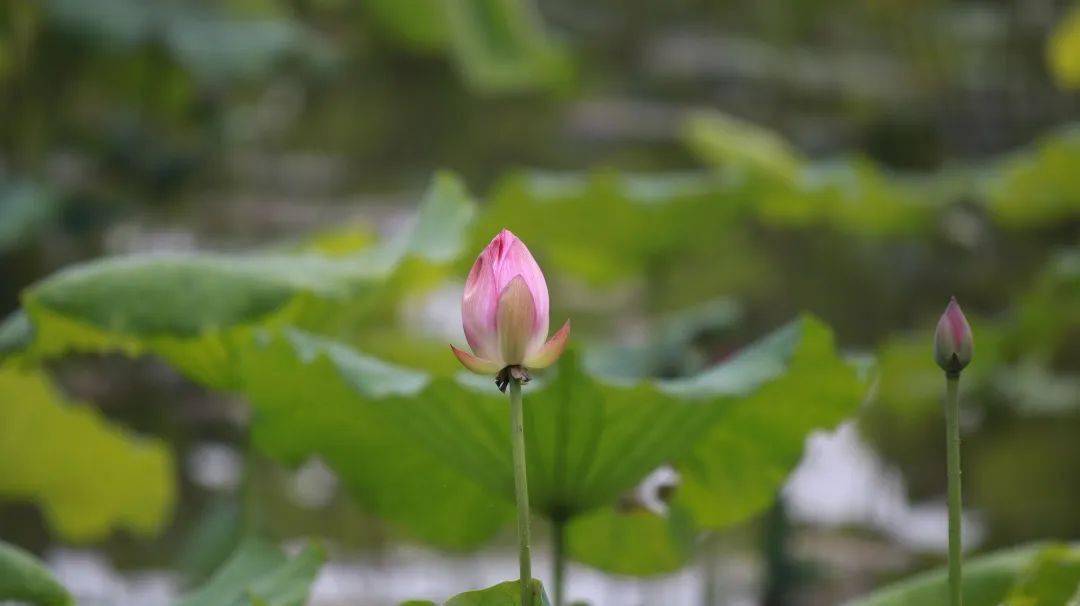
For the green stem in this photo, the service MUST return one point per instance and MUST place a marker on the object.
(250, 512)
(710, 561)
(521, 490)
(952, 437)
(558, 530)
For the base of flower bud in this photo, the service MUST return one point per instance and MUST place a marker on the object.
(515, 373)
(952, 366)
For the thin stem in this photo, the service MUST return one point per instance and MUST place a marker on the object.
(558, 539)
(952, 437)
(251, 518)
(521, 490)
(710, 562)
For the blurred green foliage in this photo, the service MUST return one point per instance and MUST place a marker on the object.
(1039, 186)
(987, 580)
(634, 540)
(194, 309)
(25, 210)
(1053, 578)
(26, 580)
(588, 443)
(212, 44)
(1022, 379)
(1063, 51)
(508, 593)
(87, 475)
(733, 431)
(1032, 575)
(123, 107)
(1030, 188)
(499, 46)
(259, 574)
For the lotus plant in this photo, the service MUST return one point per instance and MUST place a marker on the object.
(504, 312)
(953, 347)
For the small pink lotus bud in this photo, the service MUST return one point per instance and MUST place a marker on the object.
(953, 343)
(505, 312)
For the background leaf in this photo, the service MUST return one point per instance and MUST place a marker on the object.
(1063, 51)
(737, 468)
(25, 209)
(195, 310)
(503, 594)
(314, 397)
(1052, 578)
(1039, 185)
(635, 542)
(987, 580)
(502, 46)
(213, 45)
(24, 579)
(429, 452)
(87, 475)
(259, 574)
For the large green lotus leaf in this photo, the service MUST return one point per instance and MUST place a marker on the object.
(736, 469)
(189, 309)
(24, 579)
(502, 46)
(987, 580)
(1052, 579)
(195, 310)
(429, 452)
(315, 397)
(635, 542)
(503, 594)
(259, 574)
(87, 475)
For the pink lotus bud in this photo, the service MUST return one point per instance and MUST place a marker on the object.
(505, 311)
(953, 344)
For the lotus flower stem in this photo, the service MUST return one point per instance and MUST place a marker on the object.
(952, 438)
(710, 563)
(558, 532)
(521, 490)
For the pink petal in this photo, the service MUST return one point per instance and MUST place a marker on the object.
(958, 326)
(513, 260)
(549, 352)
(478, 306)
(516, 319)
(477, 365)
